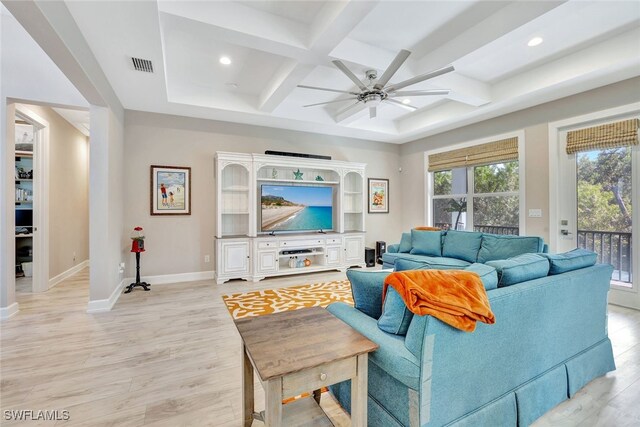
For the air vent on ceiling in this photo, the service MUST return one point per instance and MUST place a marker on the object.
(142, 65)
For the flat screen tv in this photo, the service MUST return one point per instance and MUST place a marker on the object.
(296, 208)
(24, 217)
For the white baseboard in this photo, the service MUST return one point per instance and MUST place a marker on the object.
(104, 305)
(66, 274)
(165, 279)
(7, 312)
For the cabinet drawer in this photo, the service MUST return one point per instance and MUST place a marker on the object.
(318, 377)
(308, 243)
(267, 245)
(334, 241)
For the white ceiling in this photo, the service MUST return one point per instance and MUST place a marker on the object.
(276, 45)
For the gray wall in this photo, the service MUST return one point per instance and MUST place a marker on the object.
(68, 192)
(535, 122)
(178, 244)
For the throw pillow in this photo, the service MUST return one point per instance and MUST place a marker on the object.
(427, 228)
(572, 260)
(405, 243)
(409, 264)
(520, 268)
(488, 275)
(396, 317)
(366, 288)
(462, 245)
(503, 247)
(426, 243)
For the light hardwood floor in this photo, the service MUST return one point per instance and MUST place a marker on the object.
(171, 357)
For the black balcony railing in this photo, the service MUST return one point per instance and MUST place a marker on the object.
(497, 229)
(493, 229)
(613, 248)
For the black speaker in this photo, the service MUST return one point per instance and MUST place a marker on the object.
(381, 248)
(370, 257)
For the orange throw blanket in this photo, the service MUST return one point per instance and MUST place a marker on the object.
(458, 298)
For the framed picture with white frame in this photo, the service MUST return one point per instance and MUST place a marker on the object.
(378, 195)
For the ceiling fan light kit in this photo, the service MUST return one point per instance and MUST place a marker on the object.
(378, 92)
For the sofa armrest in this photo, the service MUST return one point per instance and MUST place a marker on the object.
(392, 355)
(393, 249)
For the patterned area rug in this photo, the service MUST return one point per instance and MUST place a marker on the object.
(259, 303)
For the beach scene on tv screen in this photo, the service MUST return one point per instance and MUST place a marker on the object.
(289, 208)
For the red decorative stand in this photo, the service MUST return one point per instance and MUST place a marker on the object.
(137, 246)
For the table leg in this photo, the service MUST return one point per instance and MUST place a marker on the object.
(359, 393)
(247, 389)
(273, 403)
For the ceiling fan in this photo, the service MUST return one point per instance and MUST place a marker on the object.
(377, 91)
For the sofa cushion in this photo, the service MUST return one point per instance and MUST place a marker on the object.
(569, 261)
(462, 245)
(504, 247)
(395, 317)
(405, 243)
(488, 275)
(421, 262)
(392, 355)
(426, 243)
(366, 288)
(520, 268)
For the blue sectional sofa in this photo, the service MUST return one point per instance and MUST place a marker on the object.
(458, 249)
(548, 341)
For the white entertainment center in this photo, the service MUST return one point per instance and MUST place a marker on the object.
(243, 251)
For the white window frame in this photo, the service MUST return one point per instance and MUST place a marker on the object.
(470, 182)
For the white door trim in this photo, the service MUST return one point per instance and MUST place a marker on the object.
(40, 198)
(557, 131)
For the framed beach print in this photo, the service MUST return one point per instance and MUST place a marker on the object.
(378, 195)
(170, 190)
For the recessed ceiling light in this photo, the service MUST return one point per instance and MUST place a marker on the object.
(534, 41)
(406, 101)
(225, 60)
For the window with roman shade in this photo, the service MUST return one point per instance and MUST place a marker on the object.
(477, 188)
(504, 150)
(611, 135)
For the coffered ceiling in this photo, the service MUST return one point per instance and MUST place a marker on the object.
(274, 46)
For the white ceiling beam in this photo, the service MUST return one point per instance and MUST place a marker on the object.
(287, 77)
(238, 18)
(497, 25)
(621, 51)
(215, 32)
(607, 62)
(335, 21)
(51, 25)
(332, 25)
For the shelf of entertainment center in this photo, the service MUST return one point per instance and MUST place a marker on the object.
(302, 254)
(297, 181)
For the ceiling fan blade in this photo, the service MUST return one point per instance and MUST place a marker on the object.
(372, 112)
(392, 68)
(420, 78)
(400, 104)
(331, 102)
(327, 89)
(349, 74)
(421, 92)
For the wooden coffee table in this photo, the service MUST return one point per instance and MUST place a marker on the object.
(301, 351)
